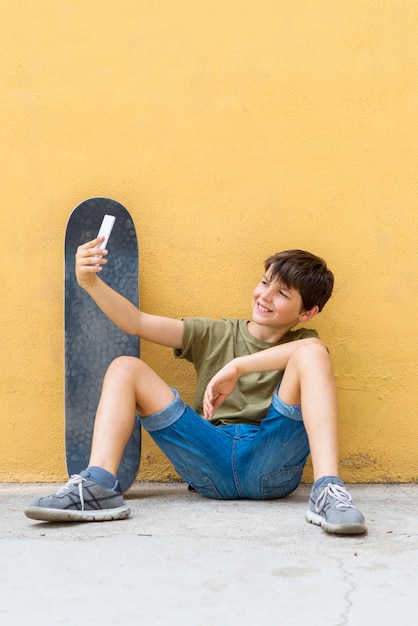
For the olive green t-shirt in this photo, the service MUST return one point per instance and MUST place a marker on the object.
(210, 344)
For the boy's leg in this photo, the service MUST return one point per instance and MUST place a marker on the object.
(129, 387)
(309, 381)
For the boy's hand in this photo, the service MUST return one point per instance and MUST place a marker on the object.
(219, 388)
(88, 262)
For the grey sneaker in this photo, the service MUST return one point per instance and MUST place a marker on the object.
(80, 500)
(333, 509)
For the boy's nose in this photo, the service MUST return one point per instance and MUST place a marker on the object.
(268, 293)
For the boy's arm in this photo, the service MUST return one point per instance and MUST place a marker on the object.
(225, 381)
(162, 330)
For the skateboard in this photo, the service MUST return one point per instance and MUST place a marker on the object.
(92, 341)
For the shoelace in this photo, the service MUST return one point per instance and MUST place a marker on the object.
(75, 479)
(339, 493)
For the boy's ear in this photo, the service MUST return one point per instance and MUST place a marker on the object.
(305, 316)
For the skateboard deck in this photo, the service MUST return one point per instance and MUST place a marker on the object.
(92, 341)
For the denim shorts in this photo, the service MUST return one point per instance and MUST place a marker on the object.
(234, 461)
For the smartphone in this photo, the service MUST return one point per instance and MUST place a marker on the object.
(105, 230)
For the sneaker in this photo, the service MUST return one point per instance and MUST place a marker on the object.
(80, 500)
(333, 509)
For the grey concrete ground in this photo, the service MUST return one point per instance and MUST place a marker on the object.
(184, 560)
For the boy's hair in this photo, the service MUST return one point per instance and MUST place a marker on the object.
(305, 272)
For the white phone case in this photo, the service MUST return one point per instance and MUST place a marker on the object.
(105, 230)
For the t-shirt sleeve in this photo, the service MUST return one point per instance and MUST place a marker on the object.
(196, 336)
(184, 351)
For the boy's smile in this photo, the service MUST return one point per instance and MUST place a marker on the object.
(276, 309)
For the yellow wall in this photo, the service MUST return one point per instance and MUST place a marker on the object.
(230, 129)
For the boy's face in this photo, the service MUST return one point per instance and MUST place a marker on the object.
(276, 306)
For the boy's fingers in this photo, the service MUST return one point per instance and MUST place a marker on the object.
(207, 401)
(94, 242)
(85, 253)
(207, 404)
(87, 247)
(218, 400)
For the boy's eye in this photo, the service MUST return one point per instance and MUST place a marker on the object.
(263, 281)
(282, 293)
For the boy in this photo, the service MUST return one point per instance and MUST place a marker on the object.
(245, 436)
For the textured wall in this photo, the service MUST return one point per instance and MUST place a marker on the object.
(230, 130)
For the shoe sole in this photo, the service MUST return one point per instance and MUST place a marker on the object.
(349, 528)
(66, 515)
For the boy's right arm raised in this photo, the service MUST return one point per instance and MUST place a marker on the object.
(162, 330)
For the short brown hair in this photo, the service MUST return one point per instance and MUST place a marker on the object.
(305, 272)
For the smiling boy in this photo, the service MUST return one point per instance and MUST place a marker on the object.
(265, 398)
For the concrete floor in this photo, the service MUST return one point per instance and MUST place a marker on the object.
(184, 560)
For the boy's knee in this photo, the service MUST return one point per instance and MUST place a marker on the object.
(125, 365)
(312, 354)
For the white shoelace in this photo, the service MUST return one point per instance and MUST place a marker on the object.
(339, 493)
(75, 479)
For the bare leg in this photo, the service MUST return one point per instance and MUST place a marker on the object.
(129, 387)
(309, 381)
